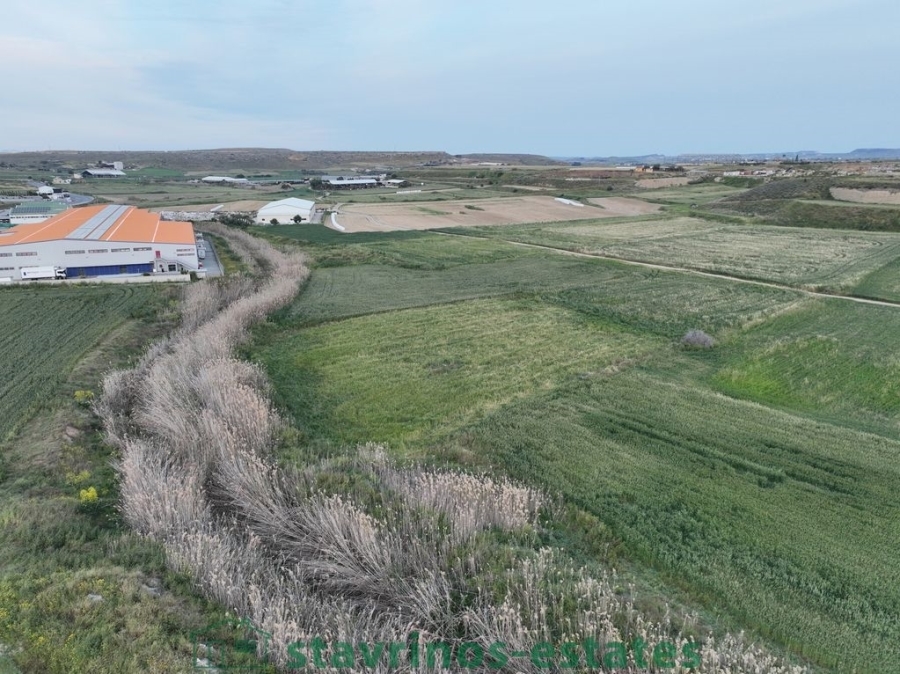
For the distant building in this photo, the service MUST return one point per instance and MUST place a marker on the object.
(102, 173)
(45, 191)
(285, 210)
(35, 211)
(340, 182)
(225, 179)
(62, 181)
(117, 165)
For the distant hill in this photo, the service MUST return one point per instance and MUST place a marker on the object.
(255, 159)
(725, 158)
(875, 153)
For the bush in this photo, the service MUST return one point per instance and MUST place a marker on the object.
(698, 339)
(84, 397)
(235, 219)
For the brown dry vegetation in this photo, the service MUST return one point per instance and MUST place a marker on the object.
(866, 196)
(197, 432)
(492, 211)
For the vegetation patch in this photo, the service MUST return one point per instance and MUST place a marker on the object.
(385, 377)
(693, 481)
(49, 330)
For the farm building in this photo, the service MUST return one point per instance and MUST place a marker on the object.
(225, 179)
(35, 211)
(285, 210)
(341, 183)
(102, 173)
(100, 241)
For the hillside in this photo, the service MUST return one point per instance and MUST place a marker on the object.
(276, 159)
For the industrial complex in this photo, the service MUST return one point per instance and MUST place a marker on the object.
(100, 241)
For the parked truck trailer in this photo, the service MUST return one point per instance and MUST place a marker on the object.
(43, 273)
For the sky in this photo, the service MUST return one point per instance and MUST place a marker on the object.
(562, 78)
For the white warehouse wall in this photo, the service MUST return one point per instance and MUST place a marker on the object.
(60, 253)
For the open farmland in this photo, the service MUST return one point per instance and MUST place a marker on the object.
(700, 193)
(789, 523)
(759, 476)
(502, 211)
(48, 330)
(803, 257)
(457, 362)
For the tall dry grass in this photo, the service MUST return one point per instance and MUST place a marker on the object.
(196, 431)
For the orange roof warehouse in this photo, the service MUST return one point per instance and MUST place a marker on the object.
(100, 241)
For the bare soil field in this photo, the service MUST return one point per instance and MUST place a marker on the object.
(866, 196)
(617, 207)
(659, 183)
(436, 214)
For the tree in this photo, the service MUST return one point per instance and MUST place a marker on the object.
(235, 219)
(297, 219)
(274, 221)
(316, 183)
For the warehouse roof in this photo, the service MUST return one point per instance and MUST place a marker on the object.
(290, 202)
(104, 172)
(353, 181)
(39, 208)
(102, 223)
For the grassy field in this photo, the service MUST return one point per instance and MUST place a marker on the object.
(78, 591)
(784, 522)
(757, 479)
(836, 261)
(457, 363)
(689, 194)
(50, 329)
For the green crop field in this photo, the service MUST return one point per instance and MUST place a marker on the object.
(60, 542)
(689, 194)
(803, 257)
(47, 330)
(757, 478)
(457, 362)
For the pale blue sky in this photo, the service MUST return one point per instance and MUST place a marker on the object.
(561, 78)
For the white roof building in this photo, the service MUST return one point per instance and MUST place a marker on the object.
(285, 210)
(103, 173)
(225, 179)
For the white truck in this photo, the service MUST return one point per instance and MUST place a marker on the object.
(43, 273)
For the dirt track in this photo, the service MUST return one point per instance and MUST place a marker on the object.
(477, 212)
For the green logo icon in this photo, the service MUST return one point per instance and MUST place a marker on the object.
(233, 644)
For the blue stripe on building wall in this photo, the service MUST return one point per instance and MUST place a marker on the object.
(109, 270)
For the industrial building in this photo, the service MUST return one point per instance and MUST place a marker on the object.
(29, 212)
(100, 241)
(343, 183)
(225, 179)
(285, 210)
(102, 173)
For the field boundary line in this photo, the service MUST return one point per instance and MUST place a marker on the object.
(685, 270)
